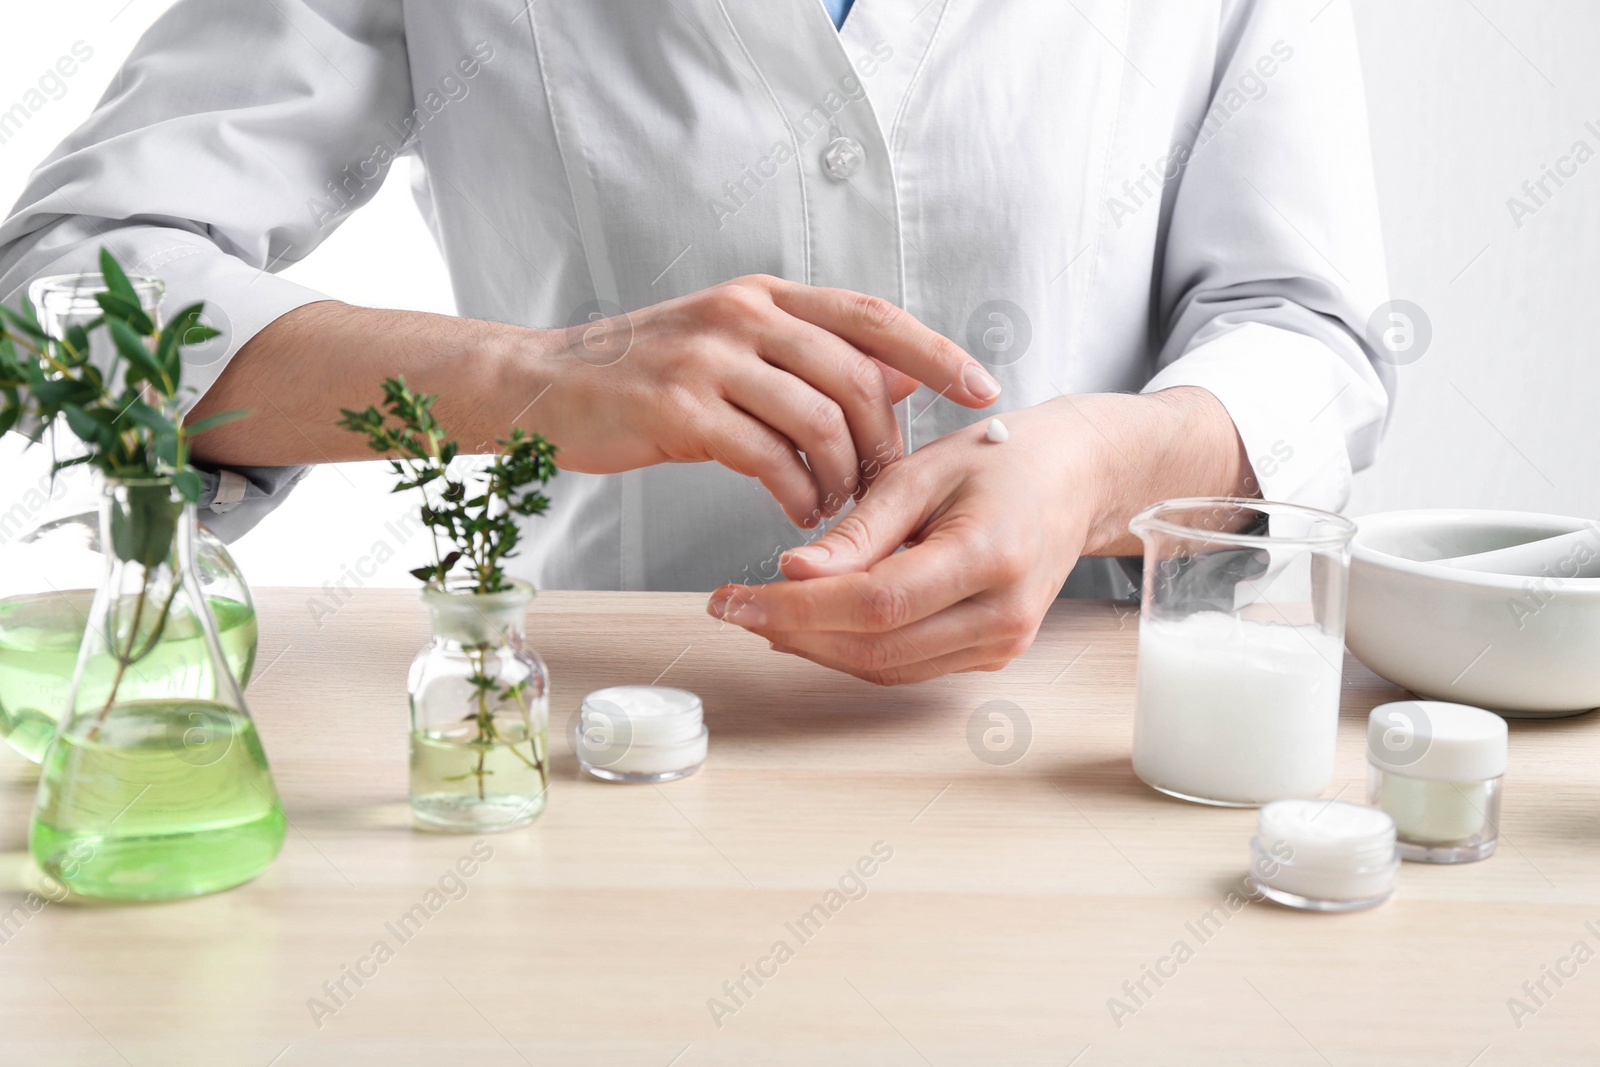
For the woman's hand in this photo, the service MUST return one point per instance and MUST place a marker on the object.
(992, 529)
(791, 384)
(788, 383)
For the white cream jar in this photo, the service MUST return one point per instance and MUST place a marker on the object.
(1324, 855)
(640, 733)
(1437, 769)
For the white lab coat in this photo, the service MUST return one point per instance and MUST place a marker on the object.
(1097, 195)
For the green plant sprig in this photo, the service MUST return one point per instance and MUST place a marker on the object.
(127, 415)
(479, 523)
(476, 519)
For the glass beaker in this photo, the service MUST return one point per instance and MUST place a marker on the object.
(1241, 649)
(156, 785)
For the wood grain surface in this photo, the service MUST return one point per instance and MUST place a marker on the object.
(1007, 903)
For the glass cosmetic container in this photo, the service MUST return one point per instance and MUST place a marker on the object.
(1324, 855)
(1241, 649)
(640, 733)
(479, 714)
(1437, 769)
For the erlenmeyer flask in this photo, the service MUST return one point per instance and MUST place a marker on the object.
(156, 784)
(48, 578)
(50, 552)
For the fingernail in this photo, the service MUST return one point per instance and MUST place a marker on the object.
(817, 553)
(717, 606)
(979, 382)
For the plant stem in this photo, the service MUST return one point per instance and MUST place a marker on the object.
(533, 742)
(485, 721)
(161, 620)
(127, 658)
(489, 731)
(123, 660)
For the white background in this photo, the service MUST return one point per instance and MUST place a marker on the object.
(1468, 99)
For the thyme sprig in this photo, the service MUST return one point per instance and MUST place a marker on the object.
(476, 518)
(473, 523)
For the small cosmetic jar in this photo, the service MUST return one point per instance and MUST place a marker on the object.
(640, 733)
(1437, 768)
(1324, 855)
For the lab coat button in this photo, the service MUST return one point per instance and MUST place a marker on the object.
(842, 157)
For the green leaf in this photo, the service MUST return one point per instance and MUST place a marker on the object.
(166, 449)
(182, 329)
(142, 531)
(77, 340)
(87, 427)
(211, 422)
(126, 309)
(131, 347)
(51, 393)
(189, 485)
(148, 417)
(116, 281)
(25, 321)
(171, 338)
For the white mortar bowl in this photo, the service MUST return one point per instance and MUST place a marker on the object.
(1525, 647)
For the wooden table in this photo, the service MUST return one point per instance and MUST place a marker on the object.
(1016, 901)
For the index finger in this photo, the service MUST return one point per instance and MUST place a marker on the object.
(894, 337)
(895, 592)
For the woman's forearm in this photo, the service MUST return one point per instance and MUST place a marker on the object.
(296, 374)
(1174, 443)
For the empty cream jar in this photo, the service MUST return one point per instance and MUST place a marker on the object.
(640, 733)
(1324, 855)
(1436, 768)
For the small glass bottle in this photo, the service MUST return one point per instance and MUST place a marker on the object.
(1437, 769)
(156, 785)
(479, 714)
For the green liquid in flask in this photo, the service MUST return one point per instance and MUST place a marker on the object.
(39, 638)
(161, 799)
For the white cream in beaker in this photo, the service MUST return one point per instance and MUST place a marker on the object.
(1234, 711)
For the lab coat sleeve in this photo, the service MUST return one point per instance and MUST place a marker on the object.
(1274, 260)
(237, 136)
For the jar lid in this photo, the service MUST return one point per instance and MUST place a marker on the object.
(636, 715)
(1437, 741)
(1331, 834)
